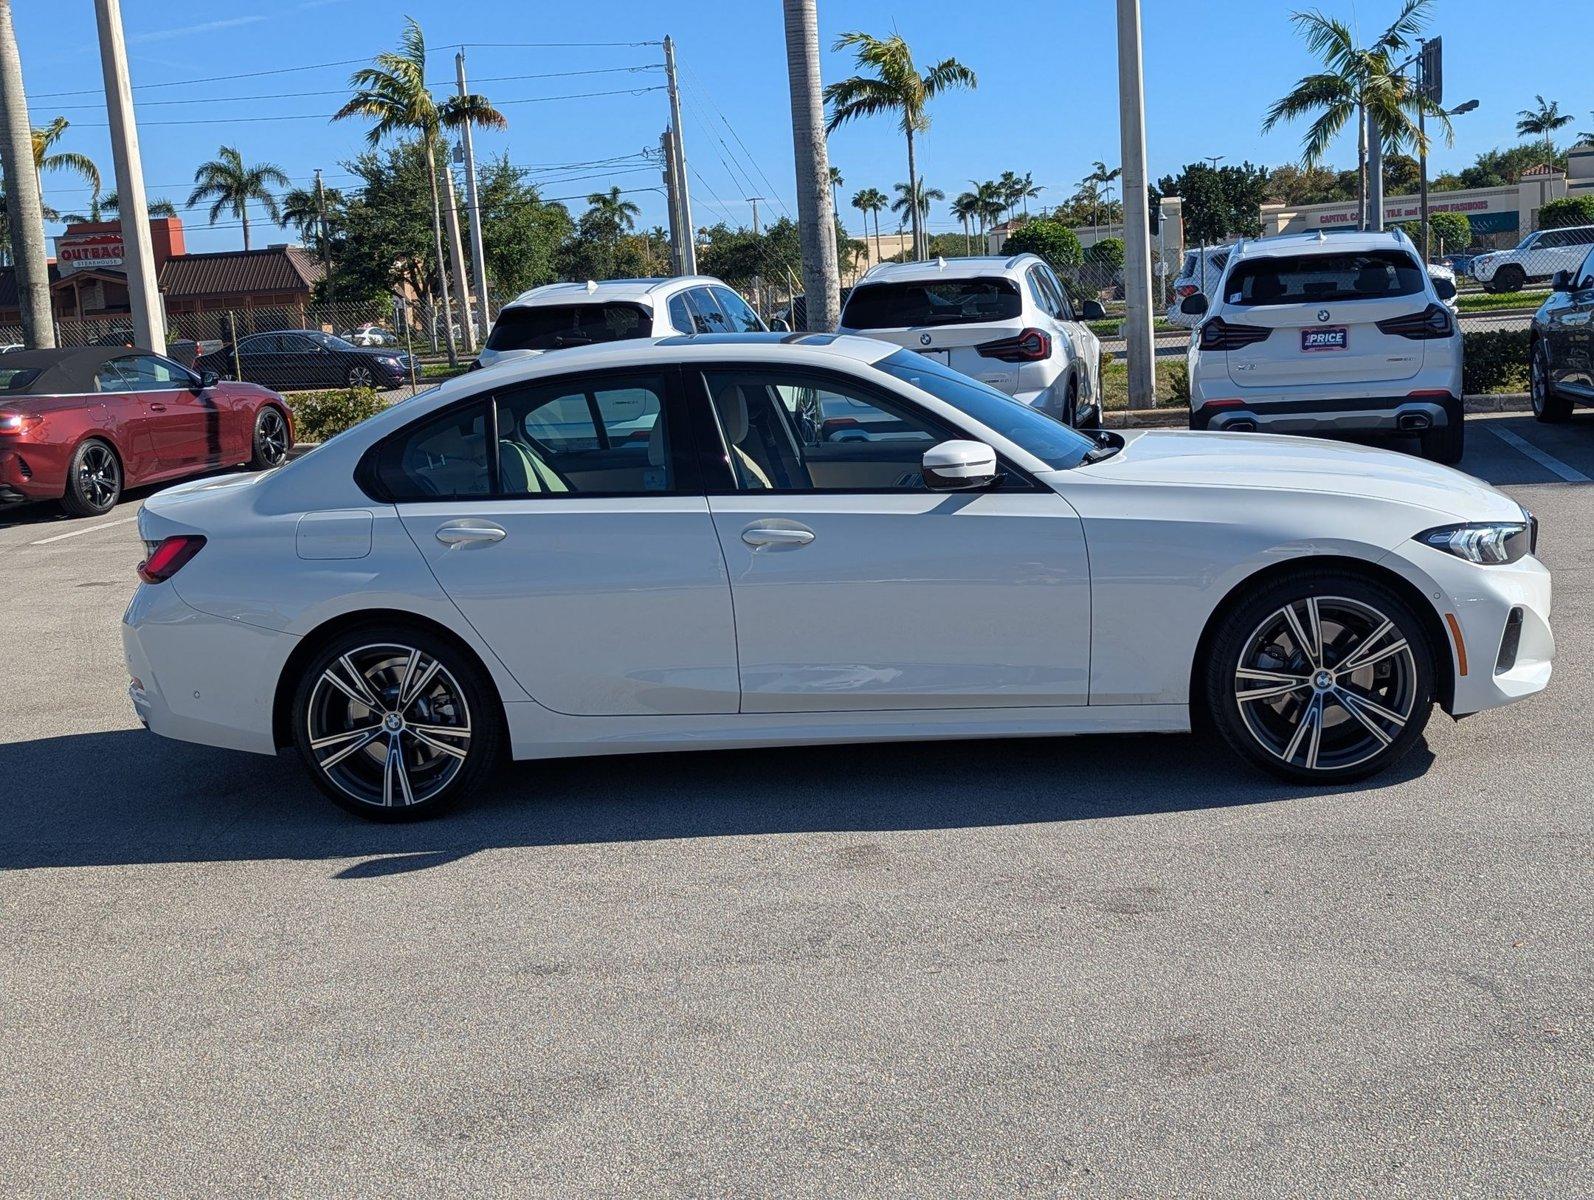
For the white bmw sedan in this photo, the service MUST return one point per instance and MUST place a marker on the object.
(675, 545)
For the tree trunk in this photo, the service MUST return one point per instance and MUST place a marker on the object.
(815, 216)
(913, 196)
(879, 253)
(968, 243)
(430, 146)
(24, 209)
(243, 215)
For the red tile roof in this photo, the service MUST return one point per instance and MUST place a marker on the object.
(240, 273)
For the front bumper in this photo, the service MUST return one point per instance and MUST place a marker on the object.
(1359, 414)
(199, 678)
(1476, 606)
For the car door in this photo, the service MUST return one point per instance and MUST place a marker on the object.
(304, 363)
(1086, 345)
(257, 360)
(186, 424)
(565, 520)
(128, 419)
(855, 586)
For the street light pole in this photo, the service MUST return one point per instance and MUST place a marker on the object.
(1140, 348)
(138, 255)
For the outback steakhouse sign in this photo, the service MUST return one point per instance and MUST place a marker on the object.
(82, 251)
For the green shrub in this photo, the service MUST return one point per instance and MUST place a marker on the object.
(1178, 376)
(1108, 253)
(1052, 240)
(1496, 361)
(319, 415)
(1568, 210)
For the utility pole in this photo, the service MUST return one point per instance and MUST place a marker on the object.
(1375, 174)
(456, 256)
(758, 283)
(321, 219)
(138, 255)
(24, 209)
(682, 191)
(1141, 349)
(672, 197)
(816, 219)
(478, 254)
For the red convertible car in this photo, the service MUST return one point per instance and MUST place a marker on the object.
(78, 426)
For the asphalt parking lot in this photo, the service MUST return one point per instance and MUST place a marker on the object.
(1099, 967)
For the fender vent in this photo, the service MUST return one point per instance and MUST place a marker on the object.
(1507, 658)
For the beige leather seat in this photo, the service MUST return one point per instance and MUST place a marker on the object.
(522, 473)
(731, 405)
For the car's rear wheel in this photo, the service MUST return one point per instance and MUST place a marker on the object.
(362, 377)
(1320, 678)
(1548, 405)
(395, 724)
(93, 480)
(271, 439)
(1446, 444)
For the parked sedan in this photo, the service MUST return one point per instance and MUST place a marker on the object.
(295, 359)
(79, 426)
(1563, 344)
(488, 570)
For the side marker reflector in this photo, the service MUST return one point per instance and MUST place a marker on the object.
(1461, 646)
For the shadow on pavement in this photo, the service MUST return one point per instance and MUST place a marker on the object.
(129, 797)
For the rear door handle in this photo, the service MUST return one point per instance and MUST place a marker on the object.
(469, 532)
(777, 535)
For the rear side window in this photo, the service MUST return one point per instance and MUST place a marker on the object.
(740, 314)
(441, 459)
(555, 326)
(1318, 278)
(932, 302)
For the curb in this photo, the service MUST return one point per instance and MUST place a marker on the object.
(1179, 418)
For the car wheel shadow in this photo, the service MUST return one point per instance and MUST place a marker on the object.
(128, 797)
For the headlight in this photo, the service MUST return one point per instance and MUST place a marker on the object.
(1486, 543)
(390, 362)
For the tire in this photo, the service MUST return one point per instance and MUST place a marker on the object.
(1332, 726)
(93, 480)
(270, 443)
(1549, 406)
(361, 377)
(351, 728)
(1445, 444)
(1509, 278)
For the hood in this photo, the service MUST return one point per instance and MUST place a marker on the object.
(1299, 464)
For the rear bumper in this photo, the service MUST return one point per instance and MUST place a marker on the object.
(198, 678)
(1358, 414)
(30, 471)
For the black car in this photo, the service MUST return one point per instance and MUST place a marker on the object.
(1563, 344)
(295, 359)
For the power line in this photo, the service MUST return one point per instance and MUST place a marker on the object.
(697, 84)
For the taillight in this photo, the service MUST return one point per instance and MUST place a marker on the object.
(169, 557)
(1185, 289)
(14, 423)
(1218, 334)
(1031, 345)
(1432, 322)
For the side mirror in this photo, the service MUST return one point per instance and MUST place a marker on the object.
(1561, 282)
(959, 466)
(1194, 305)
(1092, 310)
(208, 379)
(1444, 288)
(779, 325)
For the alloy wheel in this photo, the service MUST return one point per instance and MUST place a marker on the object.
(271, 436)
(388, 725)
(361, 377)
(1538, 381)
(1326, 683)
(99, 478)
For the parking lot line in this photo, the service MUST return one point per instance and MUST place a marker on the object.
(1547, 461)
(61, 537)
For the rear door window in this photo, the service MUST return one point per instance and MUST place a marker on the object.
(1320, 278)
(556, 326)
(707, 315)
(740, 314)
(932, 302)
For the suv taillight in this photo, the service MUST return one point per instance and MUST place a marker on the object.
(1185, 290)
(1031, 345)
(1218, 334)
(1432, 322)
(169, 556)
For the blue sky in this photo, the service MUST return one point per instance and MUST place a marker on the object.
(1046, 101)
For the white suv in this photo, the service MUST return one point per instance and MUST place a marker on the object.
(558, 315)
(1003, 320)
(1538, 256)
(1342, 334)
(1200, 272)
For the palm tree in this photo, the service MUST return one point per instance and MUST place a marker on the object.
(966, 207)
(894, 87)
(817, 230)
(24, 225)
(1029, 190)
(230, 184)
(914, 204)
(1589, 136)
(992, 204)
(614, 216)
(81, 165)
(1543, 120)
(109, 205)
(836, 182)
(392, 92)
(1363, 83)
(871, 200)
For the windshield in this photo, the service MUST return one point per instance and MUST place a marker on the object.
(1315, 278)
(932, 302)
(1054, 443)
(553, 326)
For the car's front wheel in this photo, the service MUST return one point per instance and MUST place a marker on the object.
(361, 377)
(1548, 405)
(271, 439)
(1320, 678)
(395, 724)
(1509, 278)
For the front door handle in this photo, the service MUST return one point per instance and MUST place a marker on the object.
(469, 532)
(777, 535)
(157, 408)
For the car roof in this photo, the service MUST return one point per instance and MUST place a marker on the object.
(971, 267)
(600, 291)
(61, 372)
(1322, 242)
